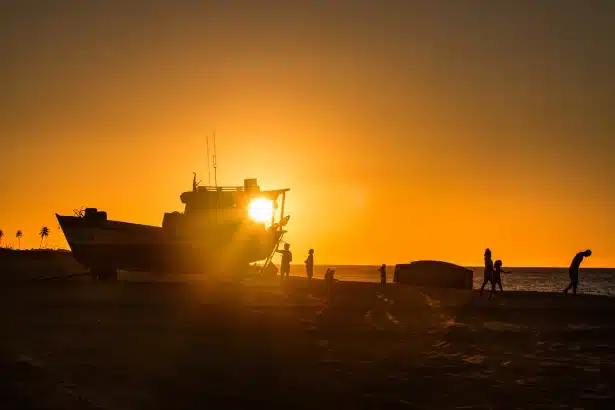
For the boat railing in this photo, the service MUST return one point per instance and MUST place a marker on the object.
(220, 189)
(239, 189)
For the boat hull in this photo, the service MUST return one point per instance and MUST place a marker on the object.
(111, 244)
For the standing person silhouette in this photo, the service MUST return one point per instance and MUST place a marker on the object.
(383, 274)
(309, 264)
(329, 281)
(287, 258)
(488, 273)
(573, 271)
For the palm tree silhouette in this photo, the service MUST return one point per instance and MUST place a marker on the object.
(1, 236)
(44, 233)
(18, 236)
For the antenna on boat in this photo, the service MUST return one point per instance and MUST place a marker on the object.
(208, 167)
(214, 161)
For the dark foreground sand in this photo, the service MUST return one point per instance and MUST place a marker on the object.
(76, 344)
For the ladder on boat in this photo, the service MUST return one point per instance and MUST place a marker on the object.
(277, 244)
(275, 249)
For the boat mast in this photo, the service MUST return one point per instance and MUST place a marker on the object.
(208, 167)
(214, 160)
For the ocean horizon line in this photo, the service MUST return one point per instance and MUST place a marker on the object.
(520, 267)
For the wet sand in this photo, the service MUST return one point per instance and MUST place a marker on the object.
(73, 344)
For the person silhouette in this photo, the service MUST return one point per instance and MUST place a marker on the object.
(573, 271)
(287, 258)
(329, 281)
(497, 276)
(488, 273)
(383, 274)
(309, 264)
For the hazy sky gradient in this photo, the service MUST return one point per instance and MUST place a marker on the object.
(406, 130)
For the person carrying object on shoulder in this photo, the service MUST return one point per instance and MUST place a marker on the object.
(287, 258)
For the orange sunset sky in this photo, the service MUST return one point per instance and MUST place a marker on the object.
(406, 130)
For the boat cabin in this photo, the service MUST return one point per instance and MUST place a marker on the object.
(215, 205)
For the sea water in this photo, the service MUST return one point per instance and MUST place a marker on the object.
(594, 281)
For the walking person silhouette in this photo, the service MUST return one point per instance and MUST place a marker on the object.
(497, 276)
(488, 273)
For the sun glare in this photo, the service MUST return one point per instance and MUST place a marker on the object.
(261, 210)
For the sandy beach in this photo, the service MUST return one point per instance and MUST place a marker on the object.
(75, 344)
